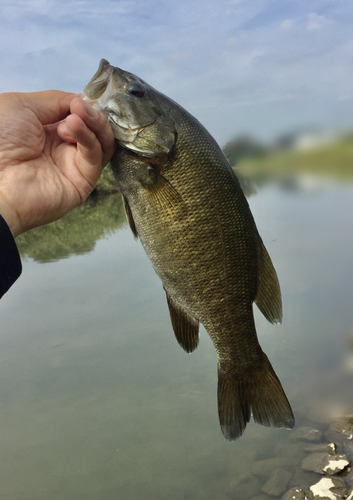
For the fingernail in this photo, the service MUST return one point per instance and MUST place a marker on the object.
(93, 113)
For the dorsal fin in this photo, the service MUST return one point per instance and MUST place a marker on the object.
(186, 328)
(268, 294)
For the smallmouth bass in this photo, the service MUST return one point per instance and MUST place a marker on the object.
(184, 202)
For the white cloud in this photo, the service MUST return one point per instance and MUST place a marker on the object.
(316, 21)
(286, 24)
(236, 64)
(57, 11)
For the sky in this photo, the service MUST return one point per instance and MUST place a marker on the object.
(258, 67)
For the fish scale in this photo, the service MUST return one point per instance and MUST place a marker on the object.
(184, 202)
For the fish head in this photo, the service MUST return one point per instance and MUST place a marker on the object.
(135, 111)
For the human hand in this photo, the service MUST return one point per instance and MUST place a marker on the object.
(48, 166)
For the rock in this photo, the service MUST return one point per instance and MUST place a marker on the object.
(347, 447)
(277, 483)
(335, 437)
(245, 485)
(315, 462)
(324, 463)
(328, 488)
(294, 494)
(263, 468)
(302, 478)
(238, 464)
(213, 495)
(324, 447)
(307, 434)
(350, 494)
(343, 425)
(337, 463)
(294, 452)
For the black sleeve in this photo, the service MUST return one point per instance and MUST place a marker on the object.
(10, 262)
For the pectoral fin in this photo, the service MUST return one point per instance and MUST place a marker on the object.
(162, 191)
(268, 294)
(130, 218)
(186, 328)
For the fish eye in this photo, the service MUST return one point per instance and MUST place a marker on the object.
(136, 89)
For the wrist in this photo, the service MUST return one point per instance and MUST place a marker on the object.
(10, 216)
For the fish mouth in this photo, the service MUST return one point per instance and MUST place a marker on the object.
(104, 66)
(100, 93)
(97, 93)
(98, 88)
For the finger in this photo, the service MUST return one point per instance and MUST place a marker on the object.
(74, 130)
(89, 155)
(50, 106)
(96, 122)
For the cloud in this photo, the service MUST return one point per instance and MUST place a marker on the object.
(286, 24)
(260, 65)
(316, 22)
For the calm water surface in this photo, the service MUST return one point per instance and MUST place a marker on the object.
(98, 401)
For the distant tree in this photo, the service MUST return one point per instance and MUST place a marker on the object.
(241, 147)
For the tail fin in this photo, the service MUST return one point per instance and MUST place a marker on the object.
(259, 394)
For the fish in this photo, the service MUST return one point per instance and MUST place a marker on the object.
(184, 202)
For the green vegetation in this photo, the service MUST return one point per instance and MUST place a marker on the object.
(252, 160)
(76, 233)
(243, 147)
(107, 183)
(333, 159)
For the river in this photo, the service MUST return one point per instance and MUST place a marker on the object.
(98, 401)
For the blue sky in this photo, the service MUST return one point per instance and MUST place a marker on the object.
(262, 67)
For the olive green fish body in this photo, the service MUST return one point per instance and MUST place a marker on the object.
(191, 239)
(185, 204)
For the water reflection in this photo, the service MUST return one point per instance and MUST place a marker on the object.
(99, 401)
(76, 233)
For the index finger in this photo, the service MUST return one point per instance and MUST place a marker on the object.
(50, 106)
(98, 124)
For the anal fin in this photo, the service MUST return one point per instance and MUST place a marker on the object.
(268, 295)
(186, 328)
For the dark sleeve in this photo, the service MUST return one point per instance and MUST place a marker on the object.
(10, 262)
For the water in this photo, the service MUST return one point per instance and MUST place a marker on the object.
(98, 401)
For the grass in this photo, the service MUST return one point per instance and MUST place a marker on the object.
(331, 160)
